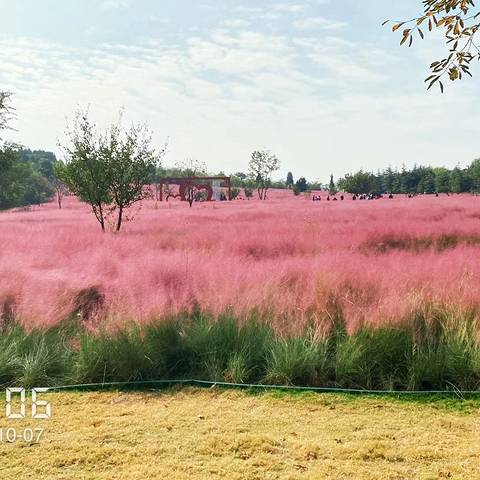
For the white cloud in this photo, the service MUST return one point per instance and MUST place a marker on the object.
(321, 104)
(318, 22)
(290, 8)
(251, 10)
(270, 16)
(114, 4)
(237, 23)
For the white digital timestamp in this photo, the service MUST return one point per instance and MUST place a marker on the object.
(16, 408)
(28, 435)
(19, 411)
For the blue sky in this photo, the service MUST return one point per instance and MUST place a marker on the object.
(320, 83)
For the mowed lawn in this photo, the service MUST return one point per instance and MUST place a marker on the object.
(213, 433)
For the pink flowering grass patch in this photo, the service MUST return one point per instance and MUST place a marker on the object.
(288, 258)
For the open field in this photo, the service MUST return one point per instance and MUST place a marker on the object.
(380, 294)
(288, 258)
(203, 434)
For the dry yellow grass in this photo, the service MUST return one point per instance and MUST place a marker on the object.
(208, 434)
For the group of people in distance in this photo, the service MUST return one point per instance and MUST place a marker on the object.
(365, 196)
(317, 198)
(370, 196)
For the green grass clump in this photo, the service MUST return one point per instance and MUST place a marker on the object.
(436, 348)
(33, 359)
(118, 357)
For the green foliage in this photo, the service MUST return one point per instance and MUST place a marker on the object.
(357, 183)
(473, 173)
(459, 181)
(248, 192)
(420, 180)
(279, 184)
(289, 181)
(234, 192)
(37, 189)
(42, 161)
(297, 361)
(84, 172)
(242, 176)
(460, 25)
(34, 359)
(316, 185)
(442, 180)
(236, 182)
(108, 171)
(117, 357)
(434, 348)
(301, 185)
(12, 184)
(20, 184)
(262, 165)
(332, 188)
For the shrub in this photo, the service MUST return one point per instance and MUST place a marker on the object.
(248, 192)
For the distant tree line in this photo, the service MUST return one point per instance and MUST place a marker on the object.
(110, 170)
(26, 176)
(418, 180)
(242, 180)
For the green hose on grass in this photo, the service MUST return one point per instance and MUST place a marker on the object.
(209, 384)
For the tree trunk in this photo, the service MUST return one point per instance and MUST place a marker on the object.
(98, 211)
(119, 222)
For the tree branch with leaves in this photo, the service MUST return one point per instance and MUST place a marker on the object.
(7, 112)
(460, 25)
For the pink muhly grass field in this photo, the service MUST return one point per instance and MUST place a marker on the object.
(289, 258)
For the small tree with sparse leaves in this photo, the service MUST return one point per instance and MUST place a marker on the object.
(262, 165)
(192, 168)
(110, 171)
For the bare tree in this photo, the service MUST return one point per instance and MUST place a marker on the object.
(60, 189)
